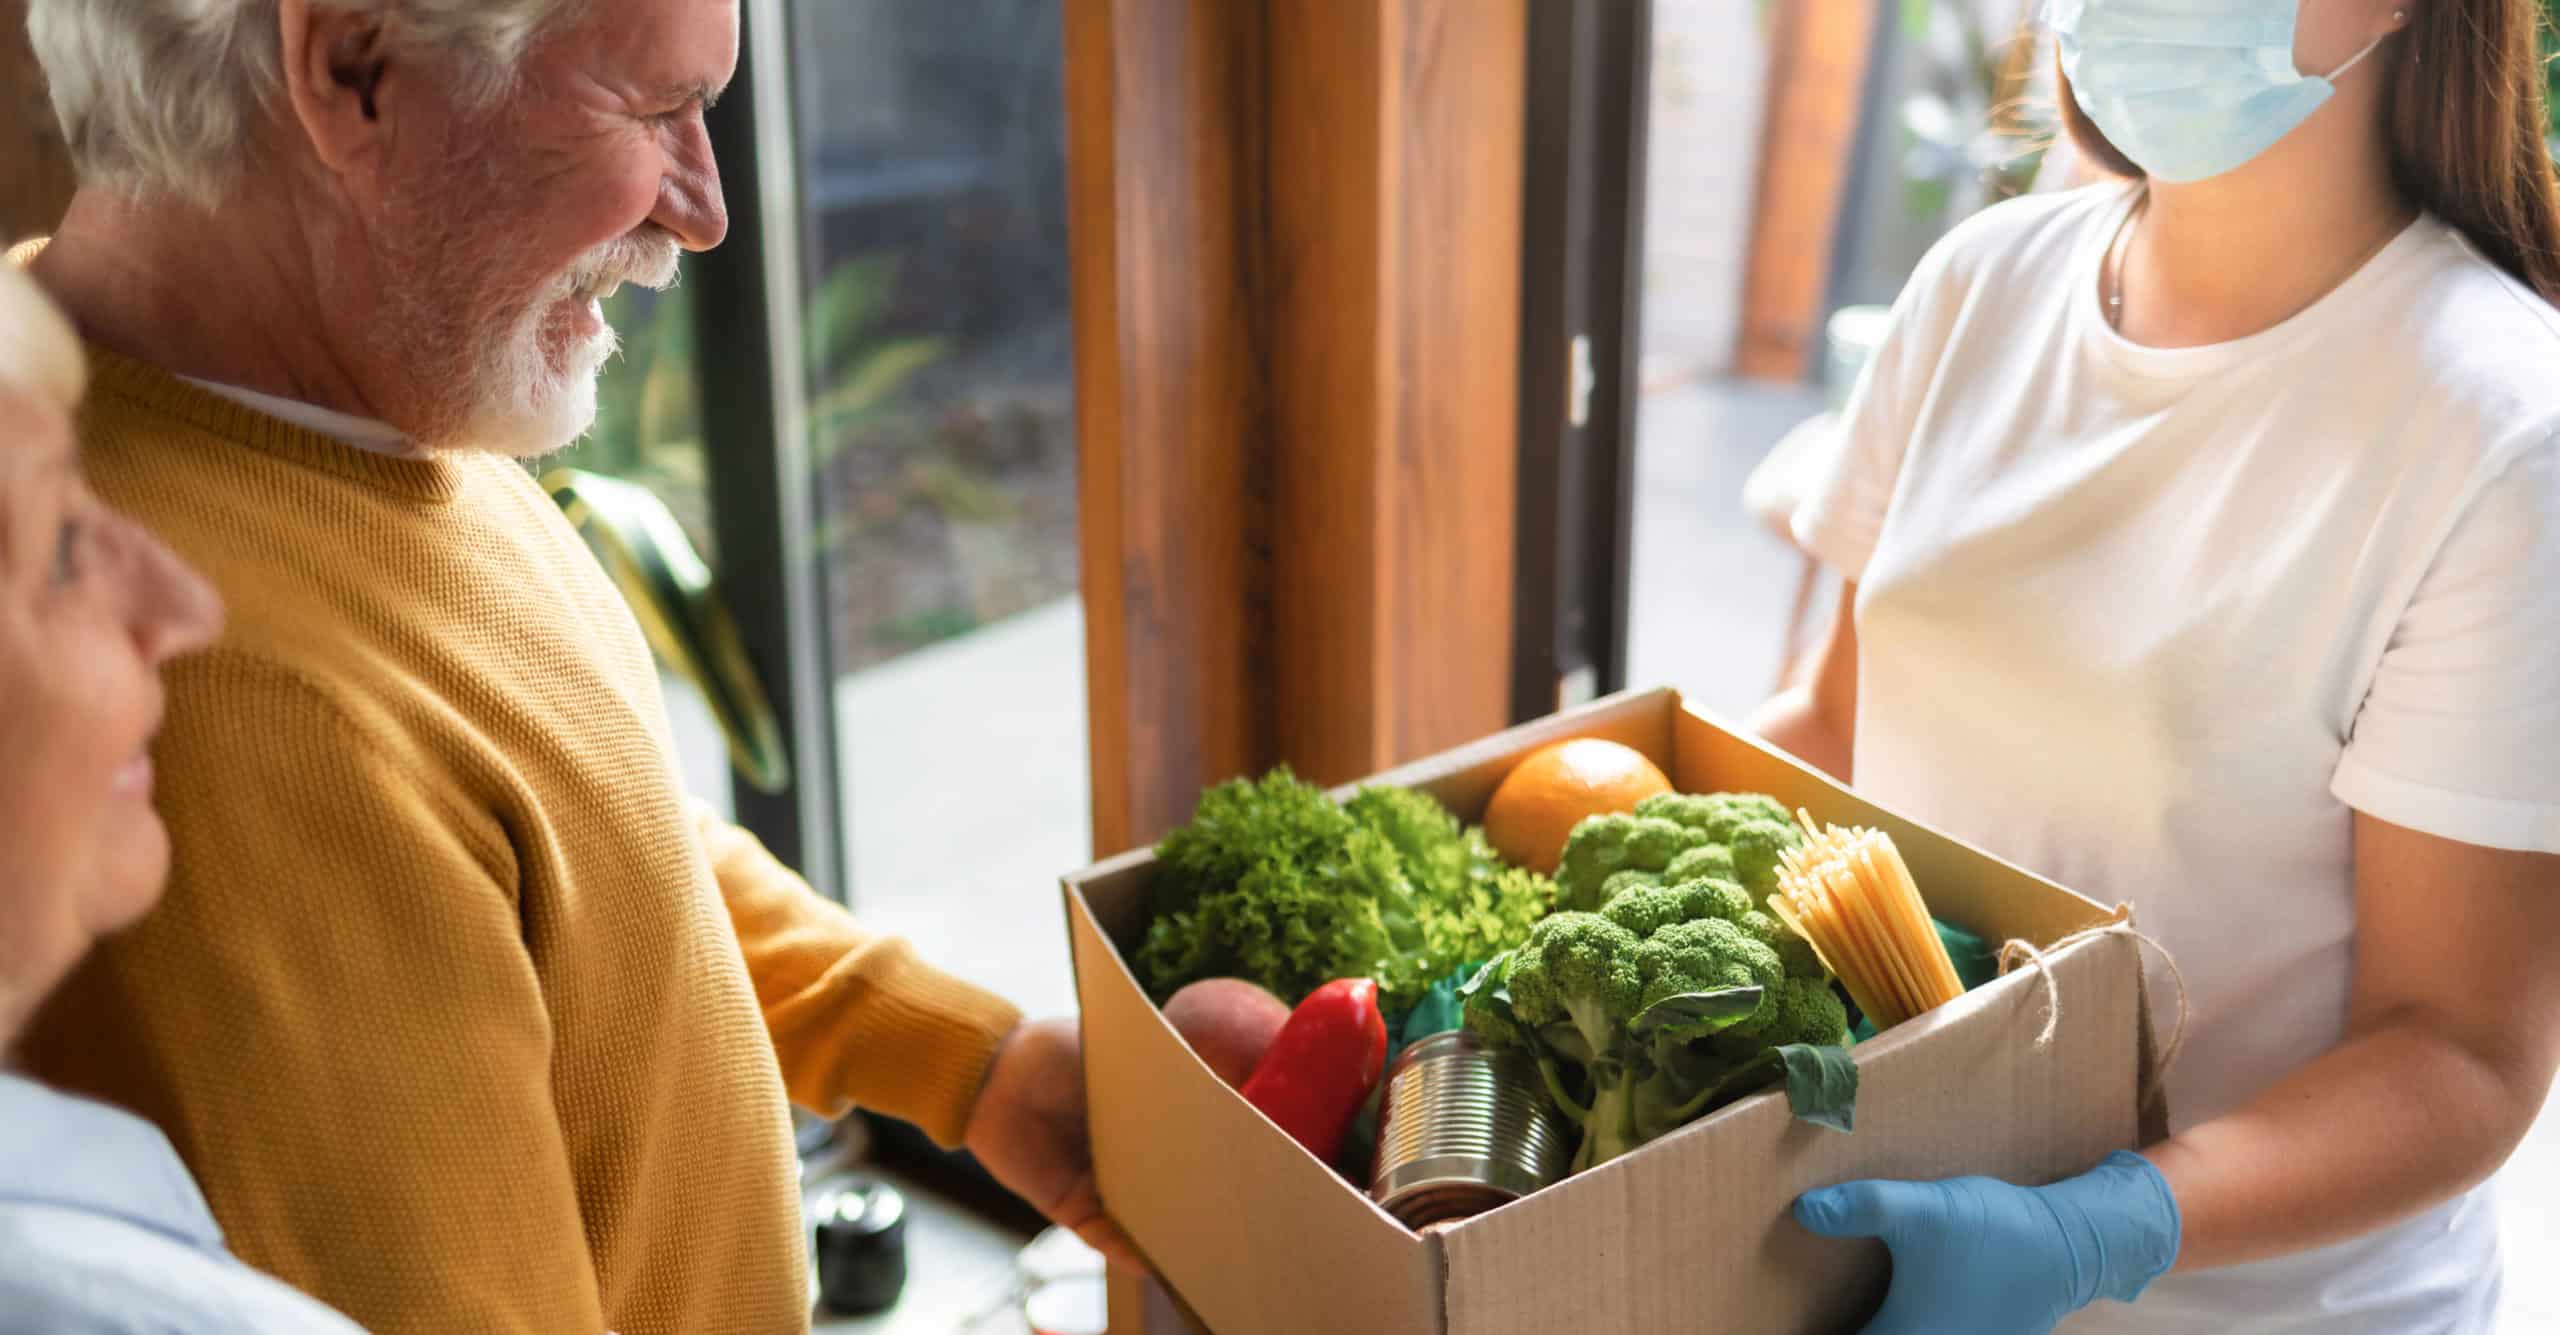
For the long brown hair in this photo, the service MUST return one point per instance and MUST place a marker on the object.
(2466, 118)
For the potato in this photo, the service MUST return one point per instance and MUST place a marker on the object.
(1229, 1022)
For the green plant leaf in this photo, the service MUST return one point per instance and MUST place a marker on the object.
(670, 406)
(844, 309)
(864, 391)
(963, 496)
(1495, 972)
(1822, 1084)
(873, 378)
(1694, 1015)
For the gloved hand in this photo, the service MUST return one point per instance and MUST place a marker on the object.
(1975, 1256)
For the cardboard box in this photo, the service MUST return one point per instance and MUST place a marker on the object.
(1689, 1234)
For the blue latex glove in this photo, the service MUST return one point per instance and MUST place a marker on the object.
(1975, 1256)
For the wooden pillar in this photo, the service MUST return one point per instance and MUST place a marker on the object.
(1164, 177)
(1397, 141)
(1819, 53)
(1296, 250)
(35, 173)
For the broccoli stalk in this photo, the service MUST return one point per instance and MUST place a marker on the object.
(1610, 1130)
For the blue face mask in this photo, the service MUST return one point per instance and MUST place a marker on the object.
(2189, 88)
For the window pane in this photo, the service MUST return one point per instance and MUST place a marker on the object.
(941, 407)
(1718, 592)
(648, 431)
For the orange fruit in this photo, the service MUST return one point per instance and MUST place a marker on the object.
(1553, 790)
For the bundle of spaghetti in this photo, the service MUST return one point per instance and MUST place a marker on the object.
(1848, 892)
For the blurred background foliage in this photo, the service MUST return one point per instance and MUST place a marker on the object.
(649, 406)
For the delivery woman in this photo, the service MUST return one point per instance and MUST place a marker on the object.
(2204, 538)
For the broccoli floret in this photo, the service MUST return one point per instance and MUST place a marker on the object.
(1715, 815)
(1646, 909)
(1716, 898)
(1796, 1010)
(1800, 958)
(1621, 882)
(1667, 903)
(1796, 953)
(1704, 955)
(1603, 846)
(1758, 848)
(1572, 993)
(1703, 863)
(1754, 829)
(1578, 968)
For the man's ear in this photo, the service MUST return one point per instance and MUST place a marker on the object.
(334, 61)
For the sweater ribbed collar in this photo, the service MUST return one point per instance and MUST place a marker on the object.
(432, 477)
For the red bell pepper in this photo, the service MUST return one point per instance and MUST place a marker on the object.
(1322, 1065)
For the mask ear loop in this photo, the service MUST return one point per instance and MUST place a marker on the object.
(2358, 58)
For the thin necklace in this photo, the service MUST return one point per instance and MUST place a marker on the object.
(2119, 255)
(2116, 262)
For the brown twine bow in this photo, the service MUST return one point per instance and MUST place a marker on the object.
(2021, 953)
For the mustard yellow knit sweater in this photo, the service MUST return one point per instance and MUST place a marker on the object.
(464, 1018)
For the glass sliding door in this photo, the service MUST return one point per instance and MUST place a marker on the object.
(941, 467)
(859, 412)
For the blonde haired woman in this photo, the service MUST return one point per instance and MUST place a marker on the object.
(101, 1227)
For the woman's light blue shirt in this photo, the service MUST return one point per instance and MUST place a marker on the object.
(103, 1232)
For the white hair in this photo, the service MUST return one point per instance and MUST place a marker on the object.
(38, 351)
(159, 96)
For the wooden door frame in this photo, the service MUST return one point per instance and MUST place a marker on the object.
(1821, 56)
(1295, 244)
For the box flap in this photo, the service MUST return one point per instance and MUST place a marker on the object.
(1688, 1235)
(1266, 1229)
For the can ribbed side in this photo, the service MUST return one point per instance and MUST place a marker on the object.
(1463, 1129)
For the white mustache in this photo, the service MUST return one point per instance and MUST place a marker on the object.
(647, 260)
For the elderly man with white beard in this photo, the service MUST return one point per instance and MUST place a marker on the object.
(464, 1017)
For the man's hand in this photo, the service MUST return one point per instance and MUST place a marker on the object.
(1028, 1130)
(1981, 1257)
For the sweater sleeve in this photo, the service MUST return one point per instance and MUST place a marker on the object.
(855, 1018)
(333, 1017)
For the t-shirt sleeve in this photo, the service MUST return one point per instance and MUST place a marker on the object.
(1843, 510)
(2458, 734)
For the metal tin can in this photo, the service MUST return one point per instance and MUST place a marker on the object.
(1462, 1129)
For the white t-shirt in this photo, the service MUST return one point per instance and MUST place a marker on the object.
(2152, 621)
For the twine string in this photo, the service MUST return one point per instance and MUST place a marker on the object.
(2020, 953)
